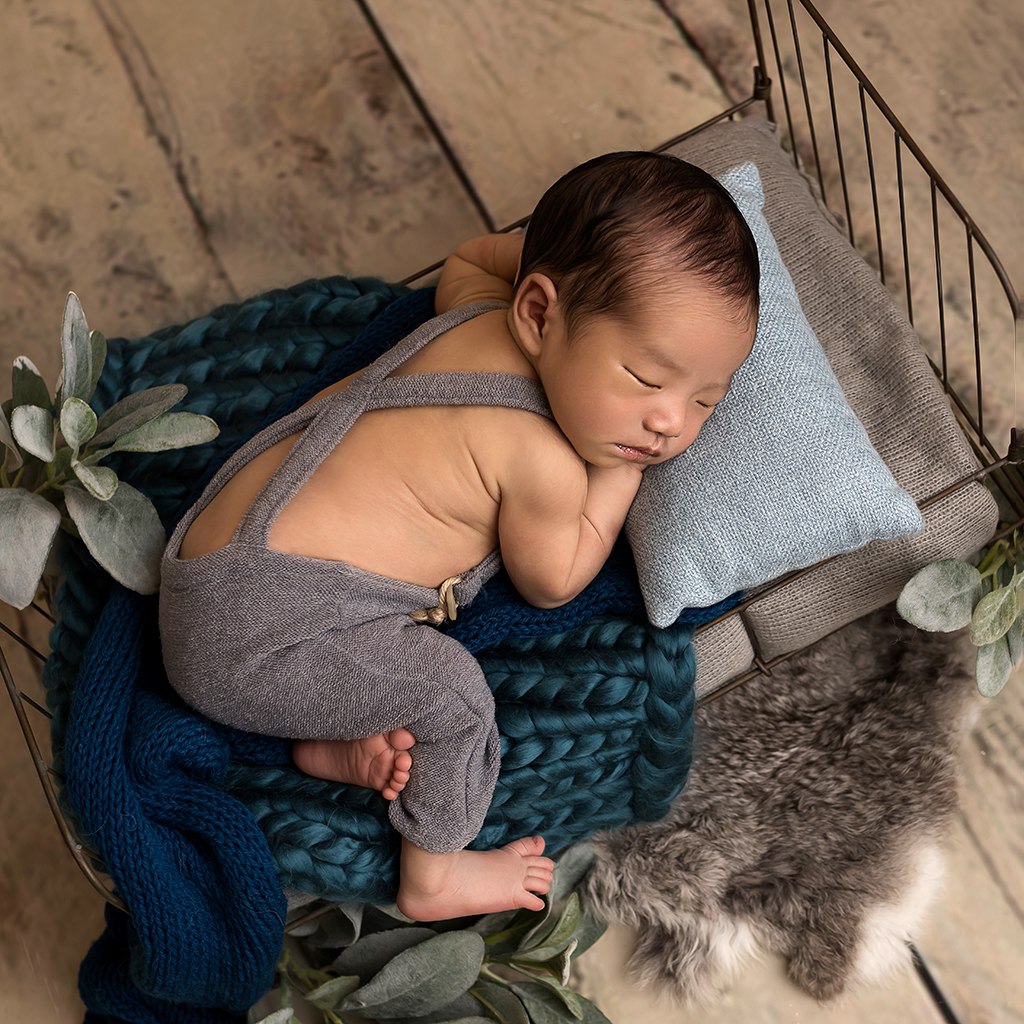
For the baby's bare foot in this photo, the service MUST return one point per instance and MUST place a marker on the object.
(436, 886)
(378, 762)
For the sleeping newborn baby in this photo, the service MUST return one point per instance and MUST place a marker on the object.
(299, 595)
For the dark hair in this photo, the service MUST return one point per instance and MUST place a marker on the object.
(619, 224)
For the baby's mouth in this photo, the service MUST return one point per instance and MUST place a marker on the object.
(637, 454)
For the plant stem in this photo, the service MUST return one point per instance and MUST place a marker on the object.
(491, 976)
(47, 485)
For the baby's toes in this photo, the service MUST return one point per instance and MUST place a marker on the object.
(401, 739)
(403, 762)
(530, 846)
(538, 880)
(529, 901)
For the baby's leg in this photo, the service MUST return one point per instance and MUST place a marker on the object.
(437, 886)
(380, 762)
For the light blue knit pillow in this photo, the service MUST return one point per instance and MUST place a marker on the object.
(781, 476)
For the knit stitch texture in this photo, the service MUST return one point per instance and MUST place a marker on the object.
(200, 825)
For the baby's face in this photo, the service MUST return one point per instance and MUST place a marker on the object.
(640, 392)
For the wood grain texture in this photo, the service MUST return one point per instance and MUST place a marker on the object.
(87, 200)
(761, 994)
(49, 914)
(993, 791)
(525, 91)
(294, 137)
(974, 941)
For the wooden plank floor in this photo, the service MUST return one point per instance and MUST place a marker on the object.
(160, 159)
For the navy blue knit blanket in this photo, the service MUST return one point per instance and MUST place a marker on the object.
(200, 826)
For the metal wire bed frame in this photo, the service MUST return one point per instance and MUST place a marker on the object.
(835, 156)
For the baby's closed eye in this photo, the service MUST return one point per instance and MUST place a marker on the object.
(646, 383)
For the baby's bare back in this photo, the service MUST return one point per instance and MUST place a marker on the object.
(410, 493)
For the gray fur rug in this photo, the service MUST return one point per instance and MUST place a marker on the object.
(812, 822)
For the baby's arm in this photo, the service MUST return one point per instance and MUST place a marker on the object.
(557, 525)
(479, 270)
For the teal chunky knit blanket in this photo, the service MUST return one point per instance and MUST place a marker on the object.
(200, 826)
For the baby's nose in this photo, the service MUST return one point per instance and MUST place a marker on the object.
(668, 421)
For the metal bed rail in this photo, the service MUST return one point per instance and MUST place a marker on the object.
(906, 222)
(937, 264)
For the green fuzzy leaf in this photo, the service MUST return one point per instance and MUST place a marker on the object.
(392, 911)
(566, 926)
(98, 344)
(591, 1014)
(491, 924)
(28, 524)
(167, 431)
(994, 616)
(100, 482)
(941, 597)
(28, 386)
(460, 1020)
(7, 439)
(283, 1016)
(462, 1008)
(35, 430)
(331, 994)
(511, 937)
(571, 866)
(588, 932)
(992, 667)
(544, 1006)
(557, 964)
(541, 924)
(421, 979)
(367, 956)
(124, 534)
(1015, 641)
(337, 929)
(76, 375)
(505, 1007)
(134, 410)
(77, 423)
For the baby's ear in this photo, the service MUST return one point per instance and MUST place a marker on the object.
(536, 311)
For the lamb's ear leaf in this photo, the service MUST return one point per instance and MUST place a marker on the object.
(7, 439)
(77, 423)
(992, 667)
(1015, 642)
(28, 524)
(338, 928)
(589, 930)
(331, 994)
(942, 596)
(283, 1016)
(76, 350)
(571, 866)
(124, 534)
(421, 979)
(545, 1006)
(167, 431)
(550, 960)
(500, 1002)
(994, 615)
(35, 430)
(369, 955)
(100, 482)
(98, 344)
(134, 410)
(27, 384)
(548, 941)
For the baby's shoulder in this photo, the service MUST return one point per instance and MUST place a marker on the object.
(528, 450)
